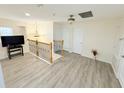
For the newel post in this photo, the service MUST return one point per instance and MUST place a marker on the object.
(51, 58)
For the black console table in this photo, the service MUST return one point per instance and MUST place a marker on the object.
(18, 49)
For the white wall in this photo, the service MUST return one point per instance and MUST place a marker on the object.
(57, 31)
(45, 30)
(2, 85)
(18, 29)
(118, 60)
(100, 35)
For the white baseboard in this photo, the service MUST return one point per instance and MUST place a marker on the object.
(96, 59)
(121, 81)
(41, 58)
(116, 74)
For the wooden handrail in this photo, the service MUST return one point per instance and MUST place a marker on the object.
(58, 40)
(31, 40)
(40, 42)
(44, 43)
(51, 57)
(62, 48)
(62, 42)
(50, 47)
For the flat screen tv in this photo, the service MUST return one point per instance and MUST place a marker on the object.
(12, 40)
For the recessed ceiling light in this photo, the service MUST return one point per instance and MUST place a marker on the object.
(27, 14)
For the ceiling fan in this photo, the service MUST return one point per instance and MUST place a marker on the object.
(71, 19)
(87, 14)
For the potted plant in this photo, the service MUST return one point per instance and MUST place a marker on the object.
(95, 53)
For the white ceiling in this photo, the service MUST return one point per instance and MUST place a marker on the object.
(61, 11)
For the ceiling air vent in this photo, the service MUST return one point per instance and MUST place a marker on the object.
(86, 14)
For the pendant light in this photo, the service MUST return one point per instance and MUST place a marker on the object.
(71, 19)
(36, 32)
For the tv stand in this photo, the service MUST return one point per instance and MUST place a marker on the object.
(14, 50)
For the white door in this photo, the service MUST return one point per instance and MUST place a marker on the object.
(77, 41)
(121, 63)
(66, 38)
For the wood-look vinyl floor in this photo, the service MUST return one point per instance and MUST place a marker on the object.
(74, 71)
